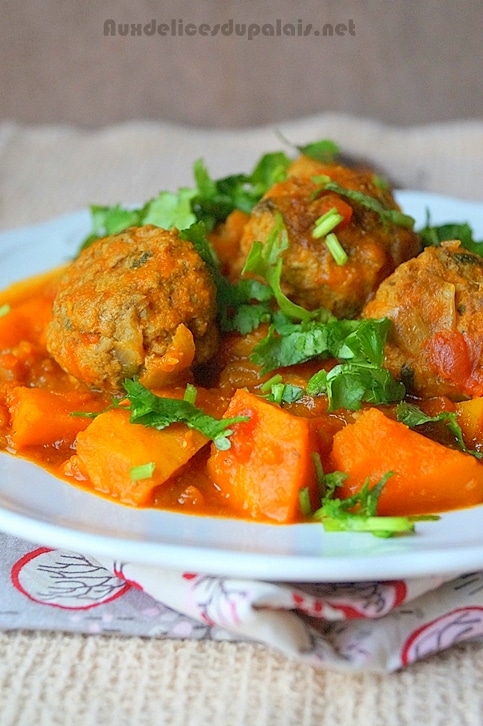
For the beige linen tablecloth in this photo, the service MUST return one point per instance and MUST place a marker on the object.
(48, 679)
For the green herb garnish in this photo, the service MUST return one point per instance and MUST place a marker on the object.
(265, 260)
(433, 235)
(326, 223)
(324, 150)
(209, 200)
(388, 216)
(358, 344)
(358, 513)
(412, 416)
(156, 412)
(276, 391)
(336, 250)
(143, 471)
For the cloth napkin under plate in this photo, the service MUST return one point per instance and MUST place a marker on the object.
(375, 626)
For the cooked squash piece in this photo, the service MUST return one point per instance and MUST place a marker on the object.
(470, 418)
(268, 463)
(428, 477)
(112, 451)
(40, 416)
(28, 321)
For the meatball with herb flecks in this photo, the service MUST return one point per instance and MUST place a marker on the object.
(435, 301)
(370, 234)
(139, 303)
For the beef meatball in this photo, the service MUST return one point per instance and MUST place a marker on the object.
(436, 304)
(141, 302)
(310, 275)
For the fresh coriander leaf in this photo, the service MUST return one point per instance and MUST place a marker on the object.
(247, 317)
(170, 209)
(388, 216)
(229, 297)
(358, 513)
(245, 305)
(366, 341)
(277, 391)
(324, 150)
(302, 343)
(359, 344)
(413, 417)
(269, 170)
(265, 260)
(290, 343)
(348, 385)
(215, 199)
(433, 235)
(110, 220)
(156, 412)
(196, 234)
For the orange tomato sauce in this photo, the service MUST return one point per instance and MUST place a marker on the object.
(40, 406)
(49, 417)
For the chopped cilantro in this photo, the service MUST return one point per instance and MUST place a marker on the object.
(359, 344)
(324, 150)
(348, 385)
(170, 209)
(336, 250)
(290, 343)
(110, 220)
(209, 200)
(143, 471)
(388, 216)
(326, 223)
(277, 391)
(412, 416)
(156, 412)
(358, 513)
(433, 235)
(265, 260)
(215, 199)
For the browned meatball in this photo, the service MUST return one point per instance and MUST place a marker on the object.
(436, 304)
(310, 275)
(141, 302)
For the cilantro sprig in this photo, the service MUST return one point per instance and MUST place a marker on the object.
(412, 416)
(387, 215)
(158, 412)
(208, 200)
(358, 344)
(276, 391)
(323, 150)
(265, 260)
(216, 198)
(432, 235)
(348, 385)
(358, 513)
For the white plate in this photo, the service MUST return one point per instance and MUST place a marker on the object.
(47, 511)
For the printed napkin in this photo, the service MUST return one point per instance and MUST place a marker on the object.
(376, 626)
